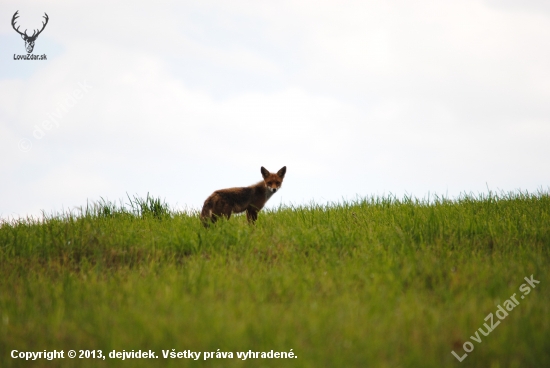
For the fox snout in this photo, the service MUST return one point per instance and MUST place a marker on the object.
(272, 190)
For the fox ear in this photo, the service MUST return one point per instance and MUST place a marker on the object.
(282, 172)
(265, 173)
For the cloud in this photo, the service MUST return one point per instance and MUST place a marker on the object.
(134, 118)
(355, 98)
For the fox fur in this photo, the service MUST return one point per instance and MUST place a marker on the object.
(252, 199)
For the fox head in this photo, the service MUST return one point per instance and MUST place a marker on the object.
(273, 181)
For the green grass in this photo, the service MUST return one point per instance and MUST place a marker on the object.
(379, 282)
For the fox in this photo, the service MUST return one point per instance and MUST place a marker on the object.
(252, 199)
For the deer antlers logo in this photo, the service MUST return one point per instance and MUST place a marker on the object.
(29, 40)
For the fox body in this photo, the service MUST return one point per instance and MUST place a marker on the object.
(251, 199)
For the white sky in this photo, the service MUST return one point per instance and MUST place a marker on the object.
(179, 99)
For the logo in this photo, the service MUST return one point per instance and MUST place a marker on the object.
(29, 40)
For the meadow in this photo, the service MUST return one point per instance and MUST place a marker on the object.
(375, 282)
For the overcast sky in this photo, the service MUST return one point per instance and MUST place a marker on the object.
(178, 99)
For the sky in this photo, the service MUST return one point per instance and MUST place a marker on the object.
(357, 98)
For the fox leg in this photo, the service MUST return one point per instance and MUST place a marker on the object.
(213, 209)
(251, 214)
(221, 210)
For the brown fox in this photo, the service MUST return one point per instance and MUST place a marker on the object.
(251, 199)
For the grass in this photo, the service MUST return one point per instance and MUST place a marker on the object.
(380, 282)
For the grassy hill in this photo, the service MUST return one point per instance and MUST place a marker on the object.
(380, 282)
